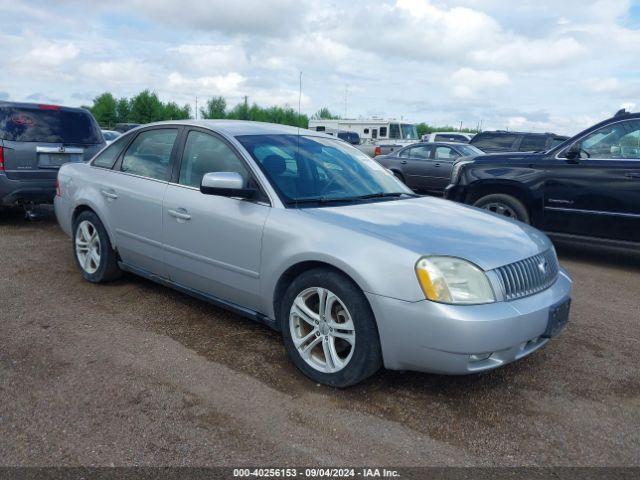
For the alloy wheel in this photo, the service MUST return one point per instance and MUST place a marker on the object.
(88, 247)
(322, 330)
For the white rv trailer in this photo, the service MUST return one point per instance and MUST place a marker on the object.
(376, 130)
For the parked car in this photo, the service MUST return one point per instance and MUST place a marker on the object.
(303, 232)
(503, 141)
(110, 135)
(426, 167)
(459, 137)
(35, 140)
(125, 127)
(587, 187)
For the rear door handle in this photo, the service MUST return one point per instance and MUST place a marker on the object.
(111, 194)
(633, 175)
(438, 164)
(403, 162)
(180, 214)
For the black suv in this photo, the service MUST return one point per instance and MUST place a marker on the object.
(35, 140)
(503, 141)
(588, 186)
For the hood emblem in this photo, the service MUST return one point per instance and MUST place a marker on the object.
(60, 149)
(542, 266)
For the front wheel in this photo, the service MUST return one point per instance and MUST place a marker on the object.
(95, 257)
(329, 330)
(504, 205)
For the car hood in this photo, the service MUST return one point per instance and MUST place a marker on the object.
(433, 226)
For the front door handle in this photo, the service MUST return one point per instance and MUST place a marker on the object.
(110, 194)
(438, 164)
(180, 214)
(633, 175)
(403, 162)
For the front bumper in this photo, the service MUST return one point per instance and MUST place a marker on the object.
(431, 337)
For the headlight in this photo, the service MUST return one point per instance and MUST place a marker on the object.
(453, 280)
(455, 170)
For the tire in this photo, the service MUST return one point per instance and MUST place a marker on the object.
(352, 360)
(88, 229)
(505, 205)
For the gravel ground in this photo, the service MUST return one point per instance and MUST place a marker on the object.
(132, 373)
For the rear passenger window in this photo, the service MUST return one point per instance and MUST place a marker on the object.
(150, 154)
(107, 158)
(205, 153)
(496, 141)
(533, 143)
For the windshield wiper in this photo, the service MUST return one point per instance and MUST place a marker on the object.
(324, 200)
(321, 200)
(386, 194)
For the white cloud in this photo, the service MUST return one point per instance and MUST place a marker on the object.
(115, 73)
(543, 65)
(603, 85)
(51, 54)
(273, 18)
(520, 53)
(467, 81)
(225, 85)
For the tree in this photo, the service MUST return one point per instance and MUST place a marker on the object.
(172, 111)
(240, 111)
(146, 107)
(216, 108)
(123, 110)
(104, 109)
(325, 114)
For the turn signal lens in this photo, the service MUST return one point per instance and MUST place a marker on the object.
(1, 159)
(454, 281)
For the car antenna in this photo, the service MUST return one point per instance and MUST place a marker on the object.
(619, 113)
(299, 109)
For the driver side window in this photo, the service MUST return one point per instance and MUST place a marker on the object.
(204, 153)
(617, 141)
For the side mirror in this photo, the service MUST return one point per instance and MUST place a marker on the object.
(225, 184)
(574, 153)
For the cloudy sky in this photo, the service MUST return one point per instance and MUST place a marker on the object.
(540, 65)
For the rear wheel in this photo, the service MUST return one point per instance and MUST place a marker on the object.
(505, 205)
(95, 257)
(329, 329)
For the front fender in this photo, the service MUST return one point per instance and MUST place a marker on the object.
(375, 265)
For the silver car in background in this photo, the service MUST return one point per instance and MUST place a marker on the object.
(306, 234)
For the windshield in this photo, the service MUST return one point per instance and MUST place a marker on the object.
(468, 150)
(48, 126)
(318, 169)
(409, 132)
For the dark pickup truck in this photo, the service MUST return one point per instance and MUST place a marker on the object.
(588, 187)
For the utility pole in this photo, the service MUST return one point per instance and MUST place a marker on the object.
(346, 92)
(196, 107)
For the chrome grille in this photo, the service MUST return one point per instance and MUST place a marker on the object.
(528, 276)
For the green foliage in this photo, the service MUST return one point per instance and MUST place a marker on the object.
(105, 110)
(216, 107)
(123, 110)
(146, 107)
(325, 114)
(172, 111)
(424, 128)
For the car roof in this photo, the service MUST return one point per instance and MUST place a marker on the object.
(40, 106)
(244, 127)
(445, 144)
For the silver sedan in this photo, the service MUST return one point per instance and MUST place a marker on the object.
(306, 234)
